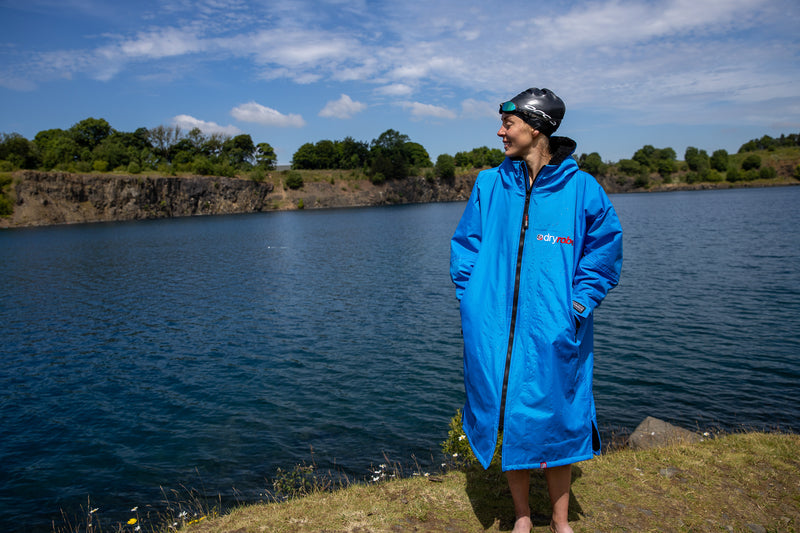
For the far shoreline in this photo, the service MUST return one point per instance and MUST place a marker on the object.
(58, 198)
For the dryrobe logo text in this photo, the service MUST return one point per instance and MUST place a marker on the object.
(555, 240)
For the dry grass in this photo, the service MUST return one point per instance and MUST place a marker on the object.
(741, 482)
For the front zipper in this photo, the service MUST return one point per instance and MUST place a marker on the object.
(524, 228)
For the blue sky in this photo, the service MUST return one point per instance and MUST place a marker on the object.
(705, 73)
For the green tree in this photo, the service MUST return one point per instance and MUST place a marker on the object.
(719, 160)
(18, 151)
(645, 156)
(265, 156)
(665, 167)
(495, 157)
(629, 167)
(212, 145)
(305, 157)
(113, 150)
(462, 159)
(327, 155)
(90, 132)
(183, 152)
(239, 152)
(161, 138)
(445, 168)
(352, 153)
(593, 164)
(388, 158)
(416, 155)
(56, 147)
(697, 160)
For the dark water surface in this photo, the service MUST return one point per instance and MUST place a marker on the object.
(211, 351)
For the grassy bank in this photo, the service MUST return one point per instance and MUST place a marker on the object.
(739, 482)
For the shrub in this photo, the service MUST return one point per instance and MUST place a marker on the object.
(629, 167)
(751, 162)
(6, 207)
(100, 165)
(300, 204)
(797, 172)
(751, 175)
(225, 169)
(377, 178)
(294, 180)
(202, 166)
(767, 173)
(258, 175)
(134, 168)
(734, 174)
(456, 448)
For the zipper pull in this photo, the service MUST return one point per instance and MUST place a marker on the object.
(525, 222)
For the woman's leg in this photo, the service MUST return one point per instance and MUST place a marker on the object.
(558, 482)
(519, 483)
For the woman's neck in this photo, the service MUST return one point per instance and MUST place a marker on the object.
(538, 157)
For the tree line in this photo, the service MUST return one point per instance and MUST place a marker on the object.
(697, 165)
(93, 145)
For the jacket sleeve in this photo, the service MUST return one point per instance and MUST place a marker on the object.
(599, 267)
(465, 244)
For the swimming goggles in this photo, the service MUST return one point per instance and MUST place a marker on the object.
(511, 107)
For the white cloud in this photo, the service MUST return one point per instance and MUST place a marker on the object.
(266, 116)
(164, 42)
(188, 123)
(344, 107)
(396, 89)
(419, 110)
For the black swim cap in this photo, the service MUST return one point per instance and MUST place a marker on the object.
(541, 109)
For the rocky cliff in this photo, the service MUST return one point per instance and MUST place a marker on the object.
(44, 198)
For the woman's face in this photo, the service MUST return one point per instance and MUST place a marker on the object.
(517, 136)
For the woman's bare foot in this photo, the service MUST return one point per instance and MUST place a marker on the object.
(523, 525)
(563, 528)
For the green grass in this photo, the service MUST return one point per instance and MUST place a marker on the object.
(722, 484)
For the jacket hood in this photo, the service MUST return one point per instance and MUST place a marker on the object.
(562, 148)
(554, 174)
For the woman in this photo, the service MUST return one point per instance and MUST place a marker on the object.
(538, 247)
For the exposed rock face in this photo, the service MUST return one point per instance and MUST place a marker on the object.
(61, 198)
(44, 198)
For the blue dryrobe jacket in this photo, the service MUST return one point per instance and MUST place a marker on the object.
(530, 264)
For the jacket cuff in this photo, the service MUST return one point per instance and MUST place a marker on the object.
(580, 309)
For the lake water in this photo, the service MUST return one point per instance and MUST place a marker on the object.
(208, 352)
